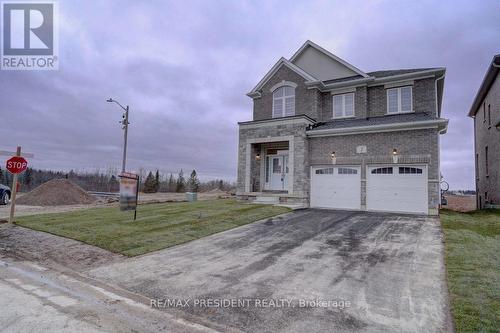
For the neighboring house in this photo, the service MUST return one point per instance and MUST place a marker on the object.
(486, 113)
(326, 134)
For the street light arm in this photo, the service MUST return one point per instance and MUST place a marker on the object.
(115, 101)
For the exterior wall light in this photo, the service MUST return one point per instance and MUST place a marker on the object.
(395, 155)
(257, 157)
(334, 158)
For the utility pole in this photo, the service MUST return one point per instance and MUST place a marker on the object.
(125, 124)
(125, 136)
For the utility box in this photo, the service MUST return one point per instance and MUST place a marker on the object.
(191, 196)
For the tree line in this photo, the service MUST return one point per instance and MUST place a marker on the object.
(108, 181)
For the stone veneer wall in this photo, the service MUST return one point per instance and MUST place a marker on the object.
(300, 159)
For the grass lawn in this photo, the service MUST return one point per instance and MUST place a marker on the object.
(158, 226)
(473, 265)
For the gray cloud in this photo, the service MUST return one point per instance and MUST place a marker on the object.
(184, 69)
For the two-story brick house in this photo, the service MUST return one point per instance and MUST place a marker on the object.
(485, 111)
(326, 134)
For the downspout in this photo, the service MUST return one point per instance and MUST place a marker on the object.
(438, 142)
(436, 92)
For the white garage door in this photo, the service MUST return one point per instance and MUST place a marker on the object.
(400, 188)
(336, 187)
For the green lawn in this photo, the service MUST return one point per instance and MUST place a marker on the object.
(158, 226)
(473, 266)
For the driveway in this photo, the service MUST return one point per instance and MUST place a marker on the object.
(358, 271)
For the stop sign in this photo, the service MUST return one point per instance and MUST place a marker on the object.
(16, 164)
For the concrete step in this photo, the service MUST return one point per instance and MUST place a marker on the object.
(271, 200)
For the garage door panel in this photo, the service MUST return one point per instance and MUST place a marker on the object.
(403, 190)
(337, 189)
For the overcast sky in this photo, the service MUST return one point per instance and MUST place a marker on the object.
(184, 68)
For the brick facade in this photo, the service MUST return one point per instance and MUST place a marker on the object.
(487, 135)
(414, 146)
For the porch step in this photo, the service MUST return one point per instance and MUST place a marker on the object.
(270, 200)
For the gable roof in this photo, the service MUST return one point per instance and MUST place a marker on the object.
(488, 80)
(282, 62)
(326, 53)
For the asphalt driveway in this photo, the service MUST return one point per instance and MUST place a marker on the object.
(308, 271)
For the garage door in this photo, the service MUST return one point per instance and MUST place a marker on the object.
(336, 187)
(400, 188)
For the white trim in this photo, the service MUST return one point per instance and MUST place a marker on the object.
(343, 106)
(416, 125)
(399, 101)
(327, 53)
(282, 84)
(275, 122)
(254, 93)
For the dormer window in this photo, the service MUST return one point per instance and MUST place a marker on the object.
(284, 101)
(399, 100)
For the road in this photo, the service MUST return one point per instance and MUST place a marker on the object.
(39, 299)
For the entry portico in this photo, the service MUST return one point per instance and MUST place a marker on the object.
(272, 155)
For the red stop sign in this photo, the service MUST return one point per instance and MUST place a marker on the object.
(16, 164)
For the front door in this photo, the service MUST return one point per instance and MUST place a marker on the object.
(277, 169)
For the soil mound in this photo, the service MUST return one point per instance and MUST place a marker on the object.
(56, 192)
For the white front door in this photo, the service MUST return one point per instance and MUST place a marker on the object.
(337, 187)
(277, 172)
(397, 188)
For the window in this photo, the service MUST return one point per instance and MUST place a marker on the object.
(399, 100)
(486, 160)
(276, 165)
(343, 105)
(382, 171)
(477, 166)
(484, 112)
(348, 171)
(284, 102)
(489, 115)
(409, 170)
(326, 171)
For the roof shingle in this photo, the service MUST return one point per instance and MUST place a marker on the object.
(382, 120)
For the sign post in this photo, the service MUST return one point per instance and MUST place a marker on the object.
(129, 191)
(15, 165)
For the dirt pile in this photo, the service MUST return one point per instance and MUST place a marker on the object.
(56, 192)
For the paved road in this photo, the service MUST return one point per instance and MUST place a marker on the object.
(389, 268)
(38, 299)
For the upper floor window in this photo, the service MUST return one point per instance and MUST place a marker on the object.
(486, 161)
(284, 102)
(399, 100)
(489, 115)
(343, 105)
